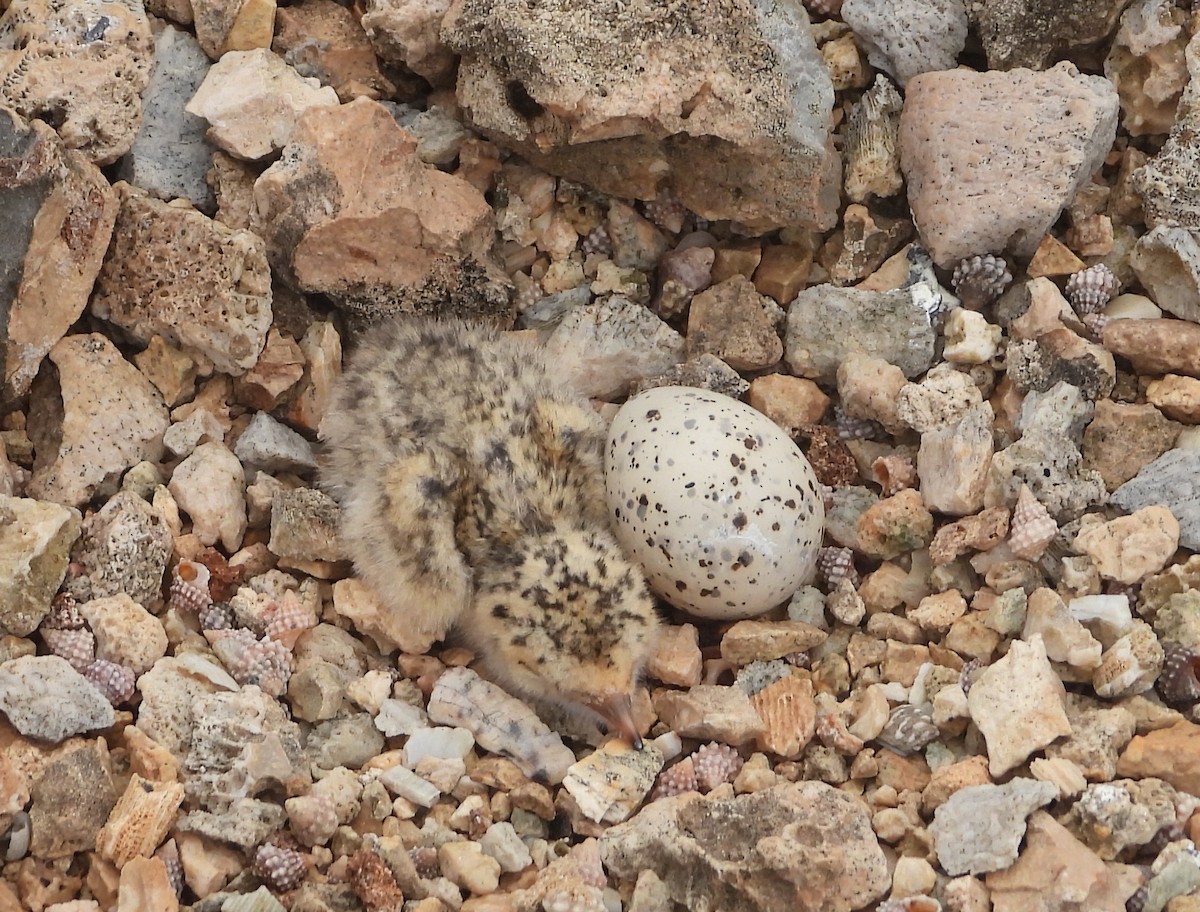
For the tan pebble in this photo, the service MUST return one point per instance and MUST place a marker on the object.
(1130, 665)
(896, 525)
(903, 660)
(207, 865)
(609, 784)
(1063, 774)
(1129, 548)
(1178, 397)
(791, 402)
(788, 714)
(146, 887)
(937, 612)
(831, 729)
(1053, 258)
(946, 780)
(677, 659)
(978, 532)
(872, 714)
(966, 894)
(755, 775)
(747, 641)
(148, 758)
(912, 877)
(139, 821)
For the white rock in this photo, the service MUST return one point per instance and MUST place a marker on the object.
(907, 37)
(438, 741)
(953, 463)
(943, 397)
(979, 828)
(970, 338)
(45, 698)
(184, 436)
(610, 784)
(404, 783)
(500, 723)
(1107, 616)
(1132, 306)
(1018, 703)
(395, 717)
(210, 486)
(605, 347)
(271, 445)
(502, 843)
(252, 99)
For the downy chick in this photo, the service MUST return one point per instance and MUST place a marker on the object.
(472, 497)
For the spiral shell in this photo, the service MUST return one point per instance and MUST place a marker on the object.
(1032, 527)
(116, 682)
(979, 280)
(281, 869)
(715, 764)
(675, 780)
(909, 728)
(1179, 681)
(1090, 290)
(76, 646)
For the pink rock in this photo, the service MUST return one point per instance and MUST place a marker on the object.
(726, 107)
(992, 158)
(351, 211)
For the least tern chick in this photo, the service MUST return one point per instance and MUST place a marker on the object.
(472, 496)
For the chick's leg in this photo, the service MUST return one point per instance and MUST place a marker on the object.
(403, 535)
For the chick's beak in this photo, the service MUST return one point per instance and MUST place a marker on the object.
(617, 710)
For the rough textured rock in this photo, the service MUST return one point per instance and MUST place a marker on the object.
(1055, 873)
(1061, 356)
(324, 39)
(1167, 184)
(71, 800)
(45, 698)
(271, 445)
(233, 25)
(35, 546)
(408, 32)
(253, 102)
(826, 325)
(304, 525)
(1169, 480)
(217, 303)
(954, 460)
(979, 828)
(365, 220)
(802, 847)
(170, 155)
(126, 633)
(1129, 548)
(1018, 705)
(992, 158)
(1035, 33)
(91, 418)
(1146, 64)
(609, 346)
(1113, 817)
(125, 548)
(635, 103)
(909, 37)
(1121, 439)
(56, 214)
(82, 66)
(871, 142)
(734, 322)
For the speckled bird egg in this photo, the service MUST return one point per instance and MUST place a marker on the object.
(719, 506)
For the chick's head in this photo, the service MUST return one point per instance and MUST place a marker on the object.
(564, 616)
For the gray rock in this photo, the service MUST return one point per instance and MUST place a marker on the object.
(1035, 33)
(1167, 263)
(349, 741)
(1171, 479)
(1114, 817)
(706, 372)
(826, 324)
(45, 698)
(35, 547)
(979, 828)
(271, 445)
(246, 825)
(1061, 356)
(124, 549)
(606, 347)
(170, 155)
(907, 37)
(1049, 462)
(439, 134)
(799, 847)
(71, 800)
(548, 311)
(724, 106)
(243, 744)
(1062, 408)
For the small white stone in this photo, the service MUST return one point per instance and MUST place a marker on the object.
(970, 338)
(404, 783)
(465, 864)
(438, 741)
(371, 690)
(396, 717)
(1109, 617)
(1132, 306)
(184, 436)
(502, 843)
(210, 486)
(609, 784)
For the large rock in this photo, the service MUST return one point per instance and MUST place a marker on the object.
(1169, 480)
(45, 698)
(992, 158)
(1035, 33)
(218, 308)
(980, 828)
(124, 549)
(56, 219)
(826, 325)
(35, 545)
(724, 105)
(91, 418)
(799, 847)
(170, 155)
(80, 65)
(907, 37)
(352, 212)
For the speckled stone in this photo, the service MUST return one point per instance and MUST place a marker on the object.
(45, 698)
(35, 544)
